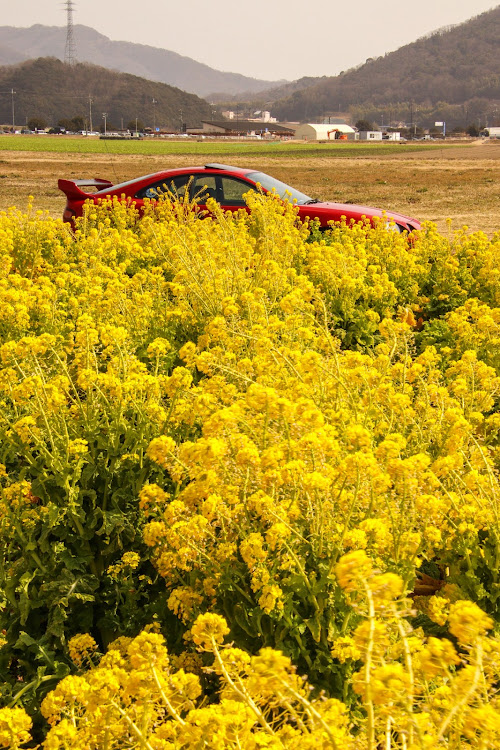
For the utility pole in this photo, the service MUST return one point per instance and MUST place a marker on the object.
(90, 113)
(70, 49)
(155, 102)
(105, 115)
(11, 92)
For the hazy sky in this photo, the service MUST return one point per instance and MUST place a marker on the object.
(259, 38)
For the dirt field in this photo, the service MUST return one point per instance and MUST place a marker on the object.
(461, 183)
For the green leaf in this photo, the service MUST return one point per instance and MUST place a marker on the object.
(314, 625)
(246, 622)
(24, 640)
(25, 602)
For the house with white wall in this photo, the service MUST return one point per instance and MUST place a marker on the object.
(370, 135)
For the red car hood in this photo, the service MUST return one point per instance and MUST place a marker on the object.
(354, 211)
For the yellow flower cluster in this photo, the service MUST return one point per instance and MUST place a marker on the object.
(291, 426)
(417, 693)
(15, 727)
(421, 689)
(307, 449)
(81, 647)
(135, 699)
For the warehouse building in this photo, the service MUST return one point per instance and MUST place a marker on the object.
(332, 131)
(239, 128)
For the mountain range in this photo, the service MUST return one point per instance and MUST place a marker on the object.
(164, 66)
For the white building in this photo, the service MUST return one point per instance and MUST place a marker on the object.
(494, 132)
(259, 116)
(370, 135)
(263, 116)
(323, 132)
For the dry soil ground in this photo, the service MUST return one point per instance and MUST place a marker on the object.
(462, 183)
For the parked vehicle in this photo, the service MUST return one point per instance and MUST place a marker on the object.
(228, 186)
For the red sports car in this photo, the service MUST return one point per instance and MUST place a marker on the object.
(227, 185)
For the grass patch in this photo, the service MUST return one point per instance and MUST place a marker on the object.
(58, 144)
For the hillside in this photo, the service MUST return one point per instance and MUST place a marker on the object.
(267, 96)
(49, 89)
(156, 64)
(457, 66)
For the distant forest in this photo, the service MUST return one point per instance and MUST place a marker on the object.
(50, 90)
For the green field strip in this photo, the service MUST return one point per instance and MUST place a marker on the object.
(57, 144)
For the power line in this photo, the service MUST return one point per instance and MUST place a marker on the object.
(70, 48)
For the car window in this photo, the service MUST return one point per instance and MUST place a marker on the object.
(280, 188)
(176, 186)
(204, 186)
(233, 191)
(122, 187)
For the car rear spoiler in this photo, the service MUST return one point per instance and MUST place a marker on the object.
(72, 188)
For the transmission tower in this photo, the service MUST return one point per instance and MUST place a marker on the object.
(70, 48)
